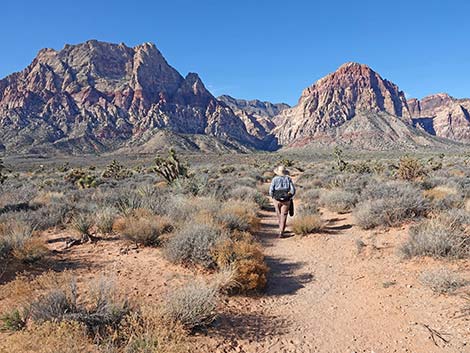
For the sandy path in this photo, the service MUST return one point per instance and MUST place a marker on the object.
(323, 296)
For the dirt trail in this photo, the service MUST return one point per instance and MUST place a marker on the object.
(324, 296)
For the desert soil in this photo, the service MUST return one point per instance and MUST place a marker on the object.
(323, 294)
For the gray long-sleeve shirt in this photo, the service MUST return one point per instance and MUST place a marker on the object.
(282, 183)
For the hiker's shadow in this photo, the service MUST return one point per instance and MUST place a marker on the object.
(282, 279)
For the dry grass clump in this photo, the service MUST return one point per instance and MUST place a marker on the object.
(193, 244)
(104, 219)
(193, 305)
(242, 254)
(239, 215)
(31, 251)
(439, 192)
(338, 200)
(307, 224)
(16, 239)
(50, 312)
(445, 235)
(442, 281)
(142, 227)
(71, 337)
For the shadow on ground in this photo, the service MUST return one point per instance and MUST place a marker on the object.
(282, 279)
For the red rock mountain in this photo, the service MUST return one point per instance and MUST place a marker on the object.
(355, 106)
(99, 96)
(442, 115)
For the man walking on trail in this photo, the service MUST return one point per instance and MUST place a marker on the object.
(282, 190)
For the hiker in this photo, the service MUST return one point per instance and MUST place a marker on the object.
(282, 190)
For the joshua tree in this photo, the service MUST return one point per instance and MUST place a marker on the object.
(170, 168)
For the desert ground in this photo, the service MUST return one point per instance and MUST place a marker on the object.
(104, 255)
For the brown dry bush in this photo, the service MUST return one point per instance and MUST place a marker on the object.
(142, 227)
(239, 215)
(244, 255)
(307, 224)
(66, 337)
(31, 251)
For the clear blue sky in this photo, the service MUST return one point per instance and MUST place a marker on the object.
(269, 50)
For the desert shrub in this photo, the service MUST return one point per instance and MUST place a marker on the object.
(410, 168)
(444, 197)
(13, 321)
(145, 228)
(311, 195)
(442, 280)
(193, 305)
(32, 250)
(246, 193)
(246, 258)
(193, 244)
(390, 206)
(238, 215)
(82, 224)
(442, 236)
(307, 224)
(147, 331)
(13, 236)
(71, 337)
(102, 310)
(338, 200)
(104, 219)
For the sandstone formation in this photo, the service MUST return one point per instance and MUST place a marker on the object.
(443, 116)
(353, 106)
(256, 115)
(98, 96)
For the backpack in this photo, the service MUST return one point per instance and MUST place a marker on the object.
(281, 195)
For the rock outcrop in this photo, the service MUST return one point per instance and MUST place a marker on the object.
(443, 116)
(98, 96)
(257, 116)
(352, 106)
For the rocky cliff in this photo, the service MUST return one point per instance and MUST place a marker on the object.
(98, 96)
(352, 106)
(443, 116)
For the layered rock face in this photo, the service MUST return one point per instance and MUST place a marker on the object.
(338, 98)
(98, 96)
(256, 115)
(443, 116)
